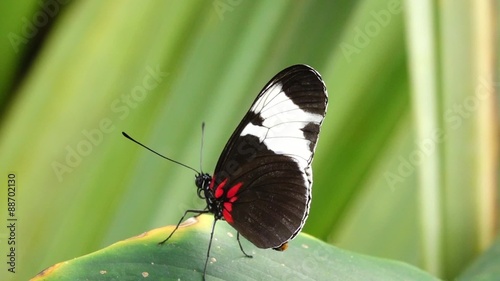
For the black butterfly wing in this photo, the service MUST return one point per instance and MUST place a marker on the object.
(264, 175)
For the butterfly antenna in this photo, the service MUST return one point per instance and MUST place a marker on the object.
(201, 148)
(164, 157)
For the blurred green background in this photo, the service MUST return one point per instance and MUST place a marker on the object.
(407, 163)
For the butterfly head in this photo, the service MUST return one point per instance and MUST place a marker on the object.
(202, 181)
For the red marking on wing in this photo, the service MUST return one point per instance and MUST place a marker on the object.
(219, 189)
(233, 190)
(227, 216)
(228, 205)
(212, 182)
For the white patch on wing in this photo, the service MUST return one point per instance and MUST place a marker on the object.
(282, 126)
(272, 96)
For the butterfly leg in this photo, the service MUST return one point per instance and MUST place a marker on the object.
(241, 247)
(180, 221)
(209, 247)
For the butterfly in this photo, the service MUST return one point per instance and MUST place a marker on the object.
(262, 182)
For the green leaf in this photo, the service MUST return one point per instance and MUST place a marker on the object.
(486, 267)
(183, 258)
